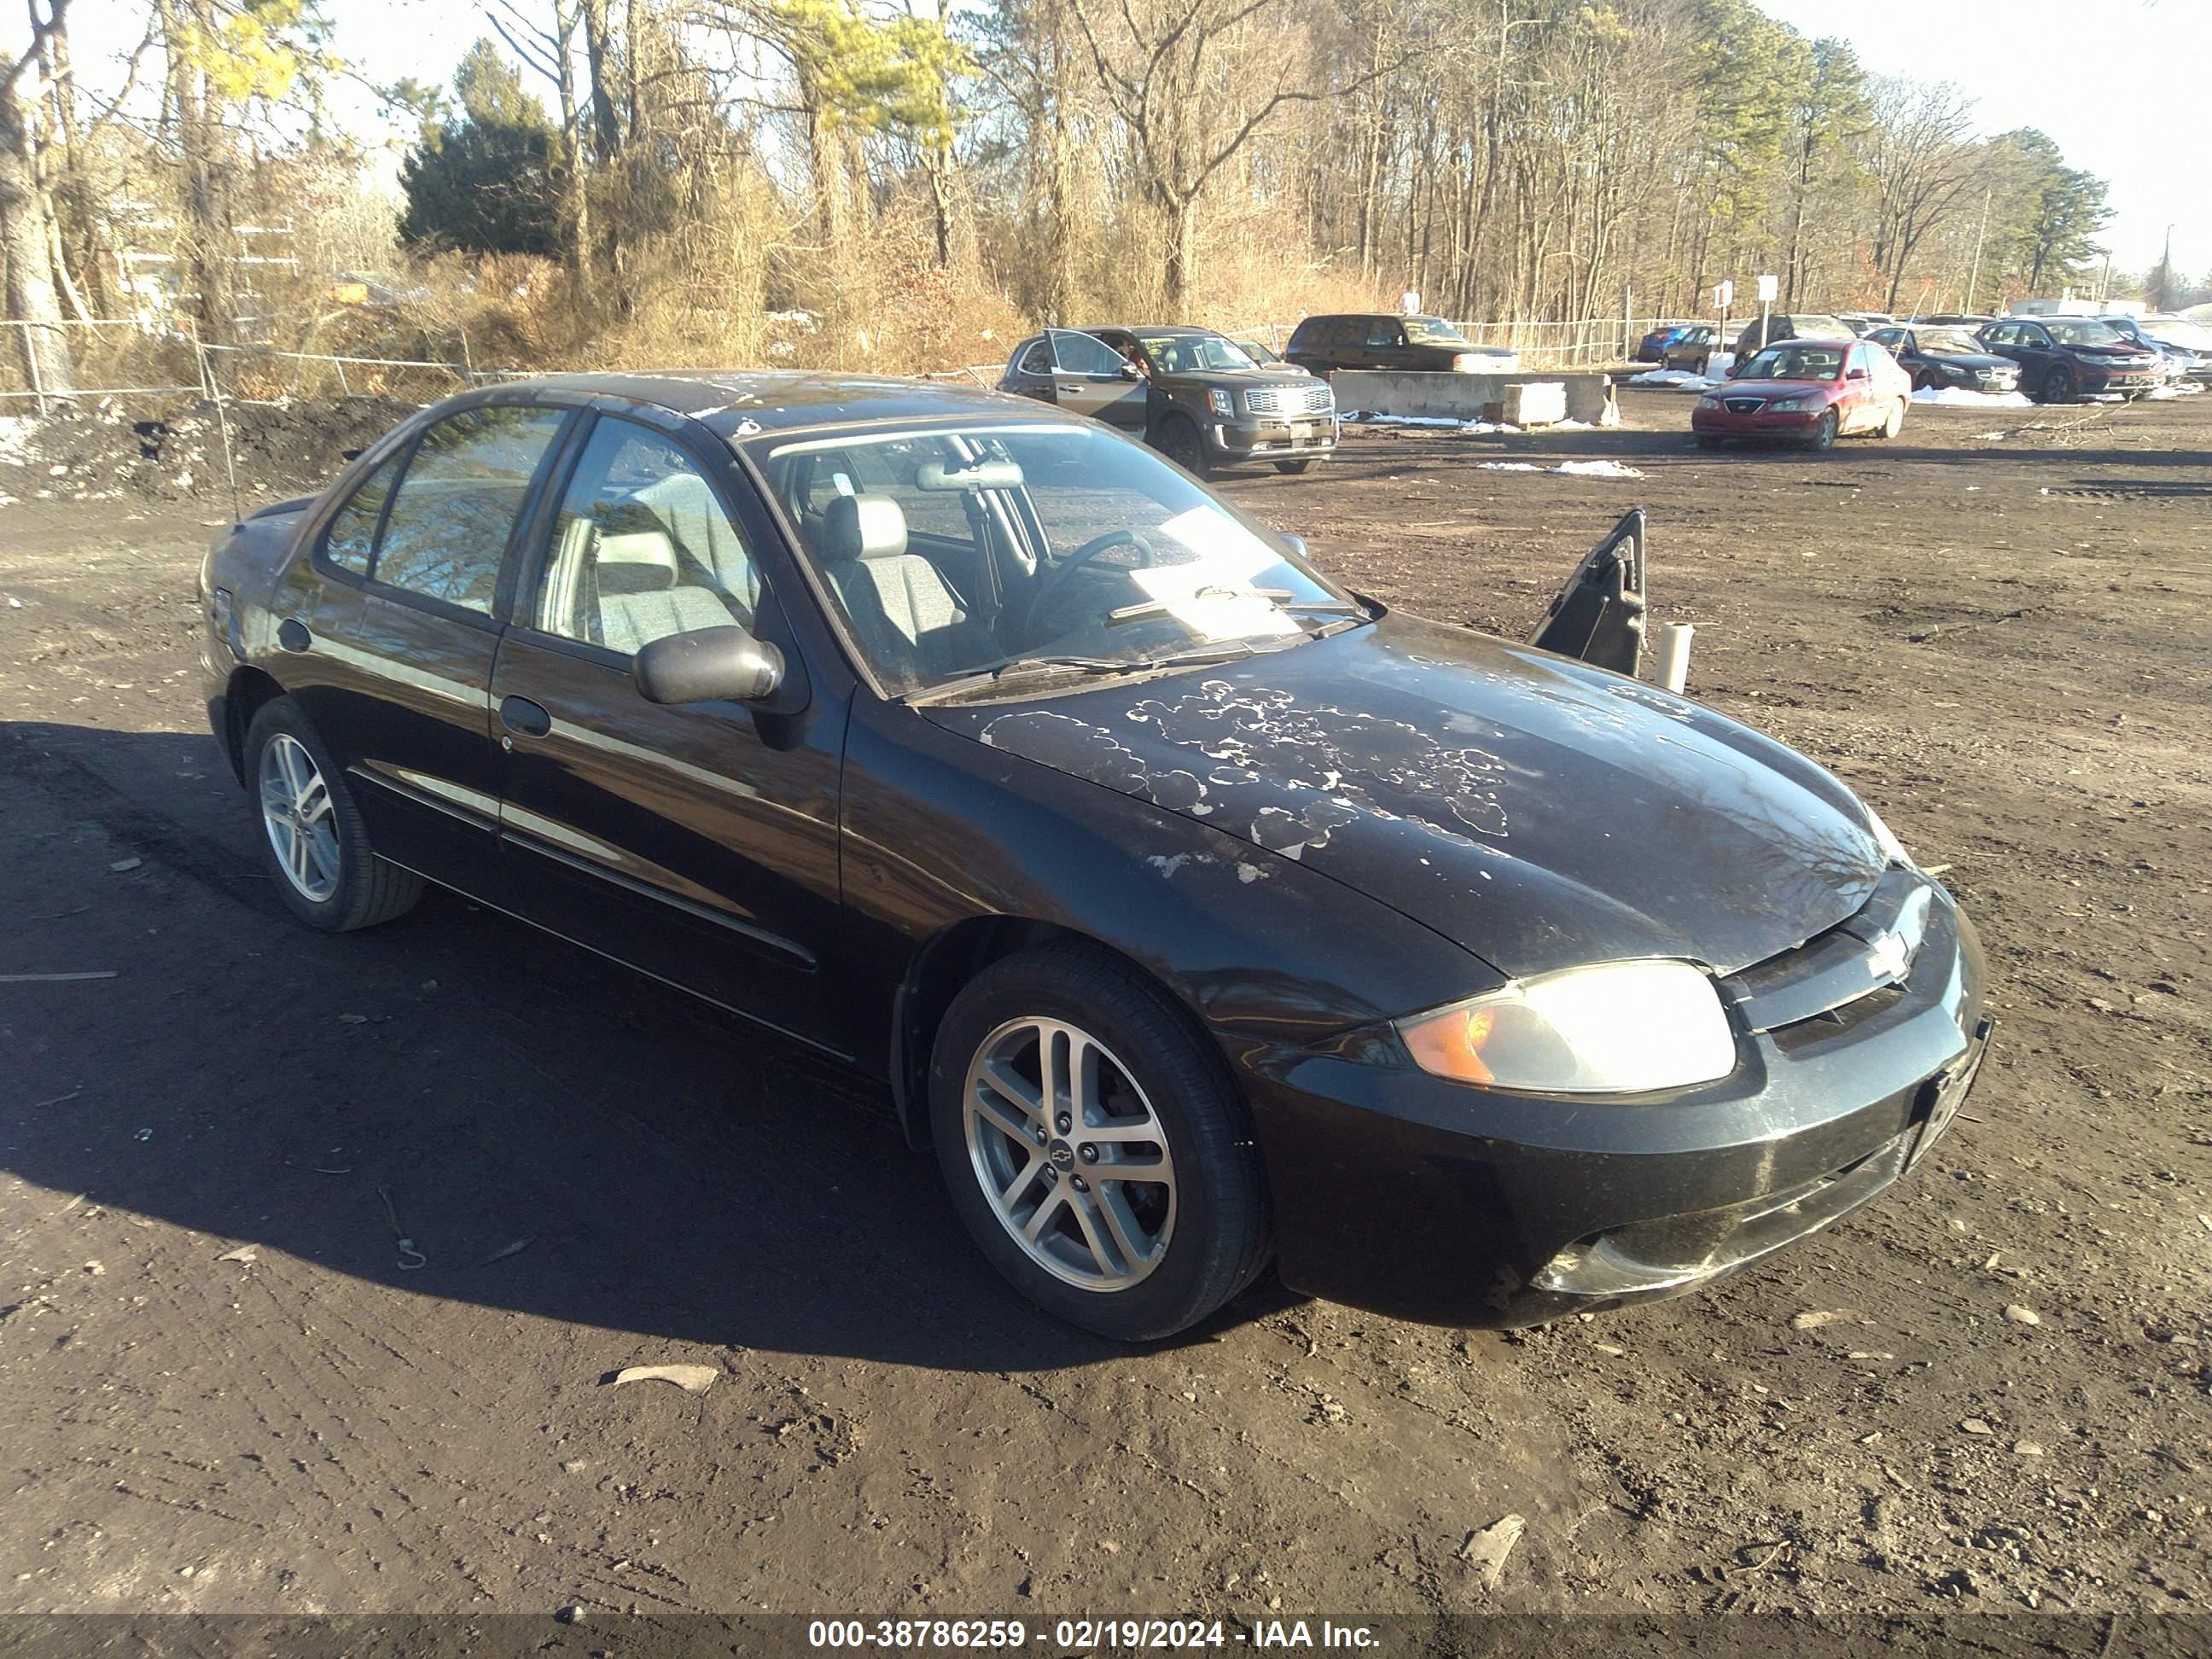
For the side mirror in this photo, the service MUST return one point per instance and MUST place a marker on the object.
(1856, 375)
(1296, 543)
(708, 665)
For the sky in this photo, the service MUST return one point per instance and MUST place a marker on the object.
(2111, 83)
(2119, 86)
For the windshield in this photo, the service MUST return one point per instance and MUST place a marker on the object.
(993, 551)
(1948, 339)
(1259, 354)
(1432, 330)
(1193, 354)
(2088, 332)
(1797, 362)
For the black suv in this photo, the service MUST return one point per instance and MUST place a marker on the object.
(1196, 396)
(1323, 345)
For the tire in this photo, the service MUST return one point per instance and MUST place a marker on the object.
(1305, 466)
(1824, 434)
(1894, 422)
(1181, 442)
(1922, 380)
(2057, 385)
(332, 877)
(1195, 1239)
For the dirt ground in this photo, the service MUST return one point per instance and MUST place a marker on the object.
(226, 1384)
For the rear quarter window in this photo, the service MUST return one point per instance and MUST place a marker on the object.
(349, 540)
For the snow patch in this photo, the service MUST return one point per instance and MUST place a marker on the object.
(15, 432)
(1674, 379)
(1960, 398)
(1570, 469)
(1443, 423)
(2186, 389)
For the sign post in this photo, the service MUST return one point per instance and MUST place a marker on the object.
(1723, 296)
(1768, 288)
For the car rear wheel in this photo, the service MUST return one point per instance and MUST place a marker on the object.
(1181, 442)
(1094, 1146)
(1894, 422)
(1824, 432)
(313, 838)
(1303, 465)
(2058, 384)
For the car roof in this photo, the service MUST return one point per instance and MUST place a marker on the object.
(1146, 328)
(738, 401)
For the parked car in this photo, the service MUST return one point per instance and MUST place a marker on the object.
(1956, 319)
(1652, 348)
(1264, 355)
(1863, 323)
(1195, 395)
(1795, 326)
(2062, 358)
(1377, 340)
(2186, 346)
(1190, 908)
(1938, 356)
(1690, 351)
(1806, 392)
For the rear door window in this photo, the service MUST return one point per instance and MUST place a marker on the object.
(449, 524)
(1035, 358)
(1084, 354)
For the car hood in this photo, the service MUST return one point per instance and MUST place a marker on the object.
(1976, 360)
(1538, 812)
(1773, 388)
(1234, 377)
(2107, 351)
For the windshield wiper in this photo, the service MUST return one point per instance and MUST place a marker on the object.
(1282, 598)
(1022, 668)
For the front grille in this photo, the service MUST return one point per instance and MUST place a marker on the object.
(1834, 980)
(1315, 399)
(1744, 405)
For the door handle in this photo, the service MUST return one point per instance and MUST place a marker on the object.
(1071, 391)
(524, 718)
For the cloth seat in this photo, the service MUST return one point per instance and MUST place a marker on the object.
(907, 620)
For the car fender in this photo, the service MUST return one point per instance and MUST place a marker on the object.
(939, 832)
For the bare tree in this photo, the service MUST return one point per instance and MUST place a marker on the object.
(1922, 164)
(26, 243)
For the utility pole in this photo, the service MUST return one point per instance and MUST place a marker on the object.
(1974, 274)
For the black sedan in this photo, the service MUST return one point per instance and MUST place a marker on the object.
(1939, 357)
(1193, 910)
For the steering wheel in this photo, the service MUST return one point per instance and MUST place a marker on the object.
(1055, 585)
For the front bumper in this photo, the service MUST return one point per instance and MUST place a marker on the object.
(1271, 438)
(1761, 423)
(1426, 1199)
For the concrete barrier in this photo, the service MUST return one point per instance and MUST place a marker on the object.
(1462, 396)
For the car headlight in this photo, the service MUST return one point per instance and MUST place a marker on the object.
(1469, 362)
(1613, 1028)
(1709, 402)
(1785, 406)
(1220, 402)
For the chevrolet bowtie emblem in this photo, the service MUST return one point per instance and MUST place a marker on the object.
(1889, 956)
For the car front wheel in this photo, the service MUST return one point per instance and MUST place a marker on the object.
(1094, 1146)
(1824, 432)
(312, 839)
(2058, 384)
(1181, 442)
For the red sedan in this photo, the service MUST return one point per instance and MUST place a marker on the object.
(1807, 391)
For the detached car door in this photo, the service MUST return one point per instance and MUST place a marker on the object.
(1087, 379)
(695, 842)
(392, 654)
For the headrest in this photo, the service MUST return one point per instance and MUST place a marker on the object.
(862, 527)
(636, 562)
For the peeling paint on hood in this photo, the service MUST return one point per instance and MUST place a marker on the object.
(1538, 812)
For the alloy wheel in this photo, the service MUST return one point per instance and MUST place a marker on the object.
(1069, 1153)
(297, 811)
